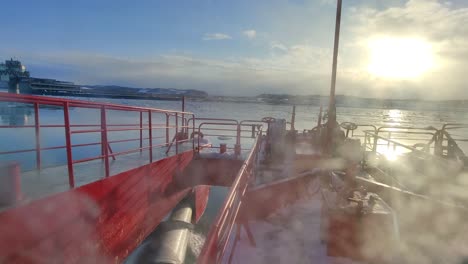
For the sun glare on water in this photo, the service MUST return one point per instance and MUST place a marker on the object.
(399, 58)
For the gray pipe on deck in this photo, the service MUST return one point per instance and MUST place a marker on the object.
(170, 246)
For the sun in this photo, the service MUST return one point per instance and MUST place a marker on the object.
(399, 58)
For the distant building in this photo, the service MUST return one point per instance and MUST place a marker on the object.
(15, 78)
(11, 72)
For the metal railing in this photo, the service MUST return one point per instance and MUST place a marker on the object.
(222, 127)
(145, 122)
(416, 136)
(437, 142)
(217, 240)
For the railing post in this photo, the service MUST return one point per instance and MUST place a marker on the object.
(293, 118)
(150, 135)
(183, 115)
(141, 131)
(237, 147)
(193, 130)
(439, 139)
(319, 121)
(176, 136)
(366, 139)
(66, 117)
(167, 129)
(389, 137)
(38, 136)
(198, 139)
(376, 140)
(104, 142)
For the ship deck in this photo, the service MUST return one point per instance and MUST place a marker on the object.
(47, 181)
(290, 235)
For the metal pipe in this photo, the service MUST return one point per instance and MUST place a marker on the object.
(150, 131)
(66, 117)
(193, 130)
(141, 131)
(104, 140)
(293, 118)
(38, 136)
(319, 121)
(183, 115)
(167, 129)
(176, 134)
(171, 245)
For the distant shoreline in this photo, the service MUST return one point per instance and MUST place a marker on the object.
(114, 96)
(311, 100)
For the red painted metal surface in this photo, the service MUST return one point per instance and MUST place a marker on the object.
(201, 194)
(209, 171)
(349, 234)
(100, 222)
(218, 237)
(104, 220)
(263, 201)
(10, 183)
(102, 127)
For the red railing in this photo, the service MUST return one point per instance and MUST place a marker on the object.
(103, 127)
(217, 240)
(231, 128)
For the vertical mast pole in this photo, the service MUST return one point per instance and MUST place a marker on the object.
(332, 105)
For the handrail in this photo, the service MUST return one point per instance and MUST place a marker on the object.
(238, 132)
(217, 239)
(455, 125)
(438, 137)
(212, 119)
(21, 98)
(396, 143)
(103, 126)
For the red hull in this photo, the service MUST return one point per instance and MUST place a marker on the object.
(99, 222)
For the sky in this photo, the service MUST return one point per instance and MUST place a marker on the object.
(388, 48)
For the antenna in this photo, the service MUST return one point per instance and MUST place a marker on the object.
(332, 105)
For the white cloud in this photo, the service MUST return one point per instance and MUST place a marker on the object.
(216, 36)
(296, 69)
(251, 34)
(442, 26)
(328, 2)
(275, 45)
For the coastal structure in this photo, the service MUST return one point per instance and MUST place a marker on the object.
(15, 78)
(11, 72)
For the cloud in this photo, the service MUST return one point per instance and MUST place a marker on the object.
(297, 68)
(278, 46)
(216, 36)
(250, 34)
(441, 25)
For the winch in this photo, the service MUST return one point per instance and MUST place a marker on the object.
(360, 226)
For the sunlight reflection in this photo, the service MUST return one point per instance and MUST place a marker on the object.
(390, 152)
(394, 113)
